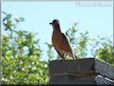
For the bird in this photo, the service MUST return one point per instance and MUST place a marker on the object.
(61, 42)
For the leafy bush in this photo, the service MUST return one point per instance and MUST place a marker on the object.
(21, 54)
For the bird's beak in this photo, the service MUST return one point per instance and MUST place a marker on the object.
(50, 23)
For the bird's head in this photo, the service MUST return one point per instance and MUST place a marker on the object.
(55, 24)
(55, 21)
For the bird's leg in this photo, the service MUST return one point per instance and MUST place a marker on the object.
(75, 56)
(62, 56)
(58, 58)
(65, 55)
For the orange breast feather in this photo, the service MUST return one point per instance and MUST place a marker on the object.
(60, 42)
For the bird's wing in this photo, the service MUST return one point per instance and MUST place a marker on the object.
(65, 41)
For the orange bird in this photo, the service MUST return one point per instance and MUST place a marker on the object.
(60, 41)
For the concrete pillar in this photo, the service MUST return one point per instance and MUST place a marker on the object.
(87, 71)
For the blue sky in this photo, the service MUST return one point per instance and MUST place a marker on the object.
(38, 14)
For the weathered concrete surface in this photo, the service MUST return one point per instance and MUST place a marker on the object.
(70, 80)
(97, 80)
(81, 71)
(104, 69)
(103, 81)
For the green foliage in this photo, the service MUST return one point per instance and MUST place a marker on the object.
(105, 51)
(50, 53)
(80, 42)
(100, 48)
(21, 54)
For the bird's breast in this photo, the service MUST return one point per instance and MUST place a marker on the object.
(56, 38)
(57, 41)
